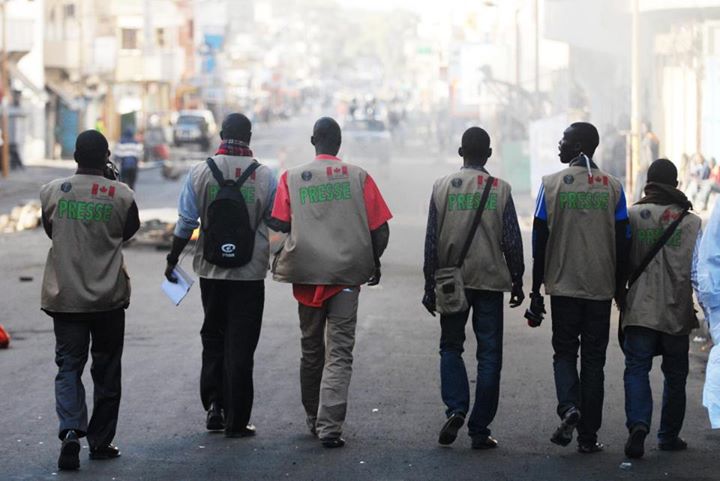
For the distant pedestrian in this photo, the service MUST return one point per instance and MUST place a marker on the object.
(230, 195)
(580, 242)
(86, 290)
(127, 155)
(337, 224)
(707, 286)
(649, 151)
(473, 231)
(659, 312)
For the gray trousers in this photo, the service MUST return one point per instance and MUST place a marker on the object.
(328, 338)
(73, 334)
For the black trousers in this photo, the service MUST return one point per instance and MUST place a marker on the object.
(230, 333)
(129, 176)
(580, 324)
(73, 335)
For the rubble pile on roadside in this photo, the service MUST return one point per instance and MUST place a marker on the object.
(156, 233)
(22, 217)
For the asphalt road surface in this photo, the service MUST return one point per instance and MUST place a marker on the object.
(395, 408)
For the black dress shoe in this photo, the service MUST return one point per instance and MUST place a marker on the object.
(245, 432)
(590, 448)
(450, 429)
(677, 444)
(331, 443)
(69, 452)
(104, 452)
(215, 419)
(635, 445)
(484, 442)
(563, 434)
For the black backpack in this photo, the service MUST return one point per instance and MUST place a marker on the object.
(229, 238)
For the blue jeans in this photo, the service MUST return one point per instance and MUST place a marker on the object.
(487, 320)
(641, 345)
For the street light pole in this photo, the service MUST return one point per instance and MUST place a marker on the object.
(5, 96)
(633, 162)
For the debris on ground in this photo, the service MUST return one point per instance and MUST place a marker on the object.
(22, 217)
(157, 233)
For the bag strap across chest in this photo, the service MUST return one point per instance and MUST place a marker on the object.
(476, 221)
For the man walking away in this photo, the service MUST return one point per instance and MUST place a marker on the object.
(659, 314)
(86, 290)
(580, 244)
(337, 224)
(493, 265)
(231, 194)
(128, 153)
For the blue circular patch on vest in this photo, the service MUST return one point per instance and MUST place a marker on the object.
(306, 176)
(569, 179)
(66, 187)
(645, 214)
(457, 183)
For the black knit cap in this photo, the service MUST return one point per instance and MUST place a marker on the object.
(91, 149)
(663, 171)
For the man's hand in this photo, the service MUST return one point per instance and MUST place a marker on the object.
(517, 296)
(621, 298)
(375, 279)
(429, 302)
(536, 313)
(169, 275)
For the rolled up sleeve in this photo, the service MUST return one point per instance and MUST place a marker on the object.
(188, 213)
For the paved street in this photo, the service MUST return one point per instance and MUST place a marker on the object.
(395, 409)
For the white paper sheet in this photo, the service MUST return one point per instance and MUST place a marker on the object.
(177, 292)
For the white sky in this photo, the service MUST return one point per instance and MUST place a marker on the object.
(420, 6)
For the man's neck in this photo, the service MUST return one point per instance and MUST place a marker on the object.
(474, 165)
(89, 171)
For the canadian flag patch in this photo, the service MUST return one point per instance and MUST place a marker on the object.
(340, 172)
(103, 191)
(481, 181)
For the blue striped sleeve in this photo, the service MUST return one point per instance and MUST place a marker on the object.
(541, 208)
(621, 211)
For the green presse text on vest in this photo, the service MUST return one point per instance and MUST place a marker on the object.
(584, 200)
(325, 192)
(470, 201)
(248, 193)
(78, 210)
(649, 237)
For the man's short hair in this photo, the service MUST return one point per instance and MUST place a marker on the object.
(588, 135)
(476, 143)
(91, 148)
(237, 127)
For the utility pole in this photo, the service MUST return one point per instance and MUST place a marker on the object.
(633, 162)
(5, 96)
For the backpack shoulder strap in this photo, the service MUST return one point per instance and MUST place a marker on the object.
(476, 221)
(656, 248)
(215, 171)
(248, 172)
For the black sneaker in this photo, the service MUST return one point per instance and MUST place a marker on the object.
(484, 442)
(450, 429)
(104, 452)
(677, 444)
(590, 448)
(635, 445)
(245, 432)
(215, 419)
(563, 434)
(69, 452)
(332, 443)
